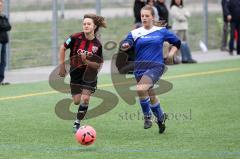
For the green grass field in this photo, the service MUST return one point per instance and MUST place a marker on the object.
(205, 101)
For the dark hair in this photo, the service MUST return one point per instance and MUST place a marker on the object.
(99, 21)
(150, 1)
(149, 8)
(174, 3)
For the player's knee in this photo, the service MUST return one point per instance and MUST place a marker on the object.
(76, 102)
(153, 99)
(85, 99)
(141, 93)
(138, 88)
(76, 99)
(141, 88)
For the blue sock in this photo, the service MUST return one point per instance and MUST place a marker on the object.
(157, 111)
(145, 104)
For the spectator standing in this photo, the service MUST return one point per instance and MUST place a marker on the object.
(152, 4)
(225, 27)
(4, 28)
(162, 11)
(233, 16)
(138, 5)
(180, 26)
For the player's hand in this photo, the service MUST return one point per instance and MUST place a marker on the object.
(125, 46)
(84, 58)
(229, 18)
(62, 71)
(169, 61)
(170, 58)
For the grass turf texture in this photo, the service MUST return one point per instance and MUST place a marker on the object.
(30, 128)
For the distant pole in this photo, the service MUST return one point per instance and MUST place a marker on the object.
(6, 7)
(205, 10)
(62, 9)
(54, 33)
(8, 51)
(98, 7)
(98, 12)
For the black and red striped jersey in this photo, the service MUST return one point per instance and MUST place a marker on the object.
(79, 44)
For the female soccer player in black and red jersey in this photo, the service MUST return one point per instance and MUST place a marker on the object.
(85, 61)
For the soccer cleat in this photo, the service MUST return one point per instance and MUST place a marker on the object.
(147, 122)
(76, 126)
(161, 124)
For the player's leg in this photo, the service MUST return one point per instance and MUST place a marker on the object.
(76, 97)
(155, 74)
(231, 42)
(2, 61)
(224, 36)
(157, 110)
(142, 89)
(87, 89)
(76, 91)
(82, 100)
(238, 38)
(83, 107)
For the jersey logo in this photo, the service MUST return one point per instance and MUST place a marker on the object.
(87, 53)
(94, 49)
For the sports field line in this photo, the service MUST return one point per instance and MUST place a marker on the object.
(123, 83)
(203, 73)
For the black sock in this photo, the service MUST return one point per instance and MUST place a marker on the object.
(82, 110)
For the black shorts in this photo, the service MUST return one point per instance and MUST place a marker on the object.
(82, 79)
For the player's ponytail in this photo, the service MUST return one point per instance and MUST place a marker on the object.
(99, 21)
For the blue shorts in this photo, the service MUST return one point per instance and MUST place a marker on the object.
(153, 73)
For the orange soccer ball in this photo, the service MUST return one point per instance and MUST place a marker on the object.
(86, 135)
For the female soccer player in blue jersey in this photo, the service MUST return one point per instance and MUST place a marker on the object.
(85, 60)
(149, 65)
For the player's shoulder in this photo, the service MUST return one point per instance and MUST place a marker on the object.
(157, 28)
(141, 31)
(161, 30)
(97, 42)
(77, 35)
(137, 31)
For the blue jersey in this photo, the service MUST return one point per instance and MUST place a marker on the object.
(148, 46)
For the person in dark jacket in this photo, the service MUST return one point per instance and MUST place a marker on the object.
(4, 28)
(138, 5)
(162, 11)
(232, 8)
(225, 30)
